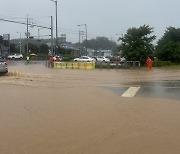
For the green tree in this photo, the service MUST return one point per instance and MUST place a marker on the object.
(168, 47)
(13, 48)
(44, 48)
(136, 44)
(33, 48)
(64, 51)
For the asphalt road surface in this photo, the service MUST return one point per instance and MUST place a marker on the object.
(169, 89)
(54, 111)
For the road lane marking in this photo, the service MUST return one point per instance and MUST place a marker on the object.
(115, 85)
(131, 92)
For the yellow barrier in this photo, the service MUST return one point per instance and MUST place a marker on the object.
(74, 65)
(90, 66)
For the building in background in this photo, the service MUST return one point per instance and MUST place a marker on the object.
(4, 44)
(105, 53)
(62, 40)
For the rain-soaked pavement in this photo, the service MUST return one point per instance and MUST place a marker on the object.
(58, 111)
(148, 88)
(169, 89)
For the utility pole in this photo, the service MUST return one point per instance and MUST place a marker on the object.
(9, 44)
(55, 1)
(27, 35)
(39, 33)
(79, 42)
(20, 43)
(56, 25)
(111, 46)
(86, 36)
(52, 42)
(96, 46)
(27, 24)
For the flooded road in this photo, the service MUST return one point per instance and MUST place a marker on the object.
(49, 111)
(169, 89)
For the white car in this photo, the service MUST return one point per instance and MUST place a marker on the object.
(3, 66)
(102, 59)
(84, 59)
(122, 60)
(15, 56)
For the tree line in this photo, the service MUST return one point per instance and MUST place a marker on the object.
(137, 44)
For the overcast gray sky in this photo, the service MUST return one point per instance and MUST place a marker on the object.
(103, 17)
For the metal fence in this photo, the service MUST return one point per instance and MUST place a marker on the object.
(118, 65)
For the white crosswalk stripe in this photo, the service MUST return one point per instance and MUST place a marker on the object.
(131, 92)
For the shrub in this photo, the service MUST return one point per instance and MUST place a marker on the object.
(68, 58)
(160, 63)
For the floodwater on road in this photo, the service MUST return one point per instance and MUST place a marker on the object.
(59, 111)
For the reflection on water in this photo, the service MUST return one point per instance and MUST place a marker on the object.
(160, 89)
(50, 111)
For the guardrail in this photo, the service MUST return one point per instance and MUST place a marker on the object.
(133, 63)
(117, 65)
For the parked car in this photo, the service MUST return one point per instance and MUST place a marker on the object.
(15, 56)
(94, 57)
(122, 60)
(3, 66)
(113, 59)
(57, 58)
(102, 59)
(84, 59)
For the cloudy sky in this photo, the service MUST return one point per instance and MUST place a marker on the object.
(103, 17)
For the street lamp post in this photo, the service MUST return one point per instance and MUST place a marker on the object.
(55, 1)
(27, 35)
(79, 42)
(86, 35)
(39, 32)
(20, 43)
(86, 38)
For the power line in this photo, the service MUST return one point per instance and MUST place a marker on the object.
(24, 23)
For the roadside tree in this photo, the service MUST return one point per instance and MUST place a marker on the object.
(32, 47)
(136, 44)
(44, 48)
(168, 47)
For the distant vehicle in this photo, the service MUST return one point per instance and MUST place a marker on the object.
(84, 59)
(102, 59)
(95, 58)
(64, 46)
(15, 56)
(3, 66)
(113, 59)
(122, 60)
(57, 58)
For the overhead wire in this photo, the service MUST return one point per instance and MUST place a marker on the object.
(34, 22)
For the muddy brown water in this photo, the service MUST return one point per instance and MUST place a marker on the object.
(49, 111)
